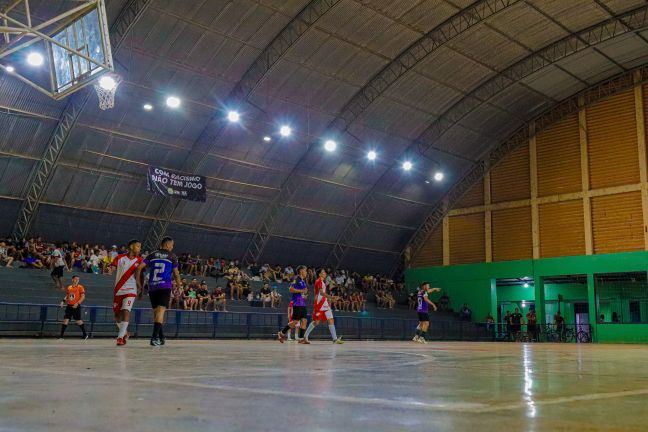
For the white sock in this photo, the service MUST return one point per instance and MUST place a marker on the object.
(333, 332)
(118, 324)
(310, 328)
(122, 328)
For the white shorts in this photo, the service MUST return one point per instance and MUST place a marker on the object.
(123, 302)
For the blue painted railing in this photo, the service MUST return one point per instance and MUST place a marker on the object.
(36, 320)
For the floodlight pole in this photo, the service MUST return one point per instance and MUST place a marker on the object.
(37, 184)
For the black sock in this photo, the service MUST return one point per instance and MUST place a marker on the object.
(63, 327)
(156, 330)
(423, 334)
(83, 329)
(301, 333)
(285, 329)
(161, 332)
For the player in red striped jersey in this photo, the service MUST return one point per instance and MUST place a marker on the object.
(125, 287)
(322, 310)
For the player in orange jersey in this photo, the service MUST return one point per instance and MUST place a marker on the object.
(125, 287)
(74, 297)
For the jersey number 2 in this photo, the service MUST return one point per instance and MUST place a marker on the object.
(158, 269)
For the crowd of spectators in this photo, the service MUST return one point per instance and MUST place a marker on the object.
(350, 288)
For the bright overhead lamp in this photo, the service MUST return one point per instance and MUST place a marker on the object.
(147, 107)
(330, 145)
(233, 116)
(371, 155)
(35, 59)
(285, 131)
(438, 176)
(407, 165)
(173, 102)
(10, 69)
(267, 138)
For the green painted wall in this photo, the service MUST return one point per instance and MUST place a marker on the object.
(475, 284)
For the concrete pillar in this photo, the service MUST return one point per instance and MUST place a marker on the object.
(538, 284)
(591, 299)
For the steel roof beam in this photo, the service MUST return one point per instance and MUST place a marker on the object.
(631, 21)
(609, 87)
(455, 25)
(286, 38)
(42, 175)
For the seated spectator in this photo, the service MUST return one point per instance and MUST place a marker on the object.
(601, 319)
(5, 257)
(266, 295)
(288, 273)
(615, 318)
(390, 301)
(93, 263)
(176, 297)
(202, 295)
(30, 261)
(190, 300)
(412, 301)
(489, 321)
(276, 297)
(235, 290)
(219, 300)
(466, 313)
(444, 302)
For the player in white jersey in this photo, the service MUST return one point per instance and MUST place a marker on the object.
(125, 287)
(322, 310)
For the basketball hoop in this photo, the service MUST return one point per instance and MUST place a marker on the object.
(106, 86)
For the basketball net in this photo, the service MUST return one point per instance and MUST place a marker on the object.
(107, 97)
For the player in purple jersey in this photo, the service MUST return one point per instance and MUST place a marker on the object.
(423, 305)
(163, 265)
(298, 291)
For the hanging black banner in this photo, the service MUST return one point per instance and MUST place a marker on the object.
(168, 183)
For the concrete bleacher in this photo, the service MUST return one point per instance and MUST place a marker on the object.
(36, 286)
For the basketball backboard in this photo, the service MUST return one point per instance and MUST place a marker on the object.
(58, 46)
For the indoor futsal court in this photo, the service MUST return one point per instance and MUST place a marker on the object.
(336, 215)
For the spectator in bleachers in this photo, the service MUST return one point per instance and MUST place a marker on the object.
(289, 273)
(219, 300)
(444, 301)
(93, 263)
(58, 265)
(176, 297)
(189, 299)
(5, 255)
(411, 301)
(276, 298)
(466, 313)
(234, 290)
(266, 295)
(202, 295)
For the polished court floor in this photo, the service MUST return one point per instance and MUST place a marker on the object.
(375, 386)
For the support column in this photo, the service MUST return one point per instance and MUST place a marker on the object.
(535, 218)
(641, 140)
(488, 218)
(593, 310)
(587, 205)
(538, 285)
(446, 241)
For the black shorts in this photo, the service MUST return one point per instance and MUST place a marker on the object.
(160, 297)
(72, 313)
(58, 272)
(299, 313)
(423, 316)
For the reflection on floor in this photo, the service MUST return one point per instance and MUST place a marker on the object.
(375, 386)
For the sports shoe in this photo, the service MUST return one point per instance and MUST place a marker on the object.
(289, 338)
(304, 342)
(281, 336)
(155, 342)
(162, 340)
(121, 341)
(422, 340)
(126, 336)
(415, 339)
(338, 341)
(85, 337)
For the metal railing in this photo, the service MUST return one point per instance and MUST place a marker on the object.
(36, 320)
(567, 333)
(43, 320)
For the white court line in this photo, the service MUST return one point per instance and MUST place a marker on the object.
(462, 407)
